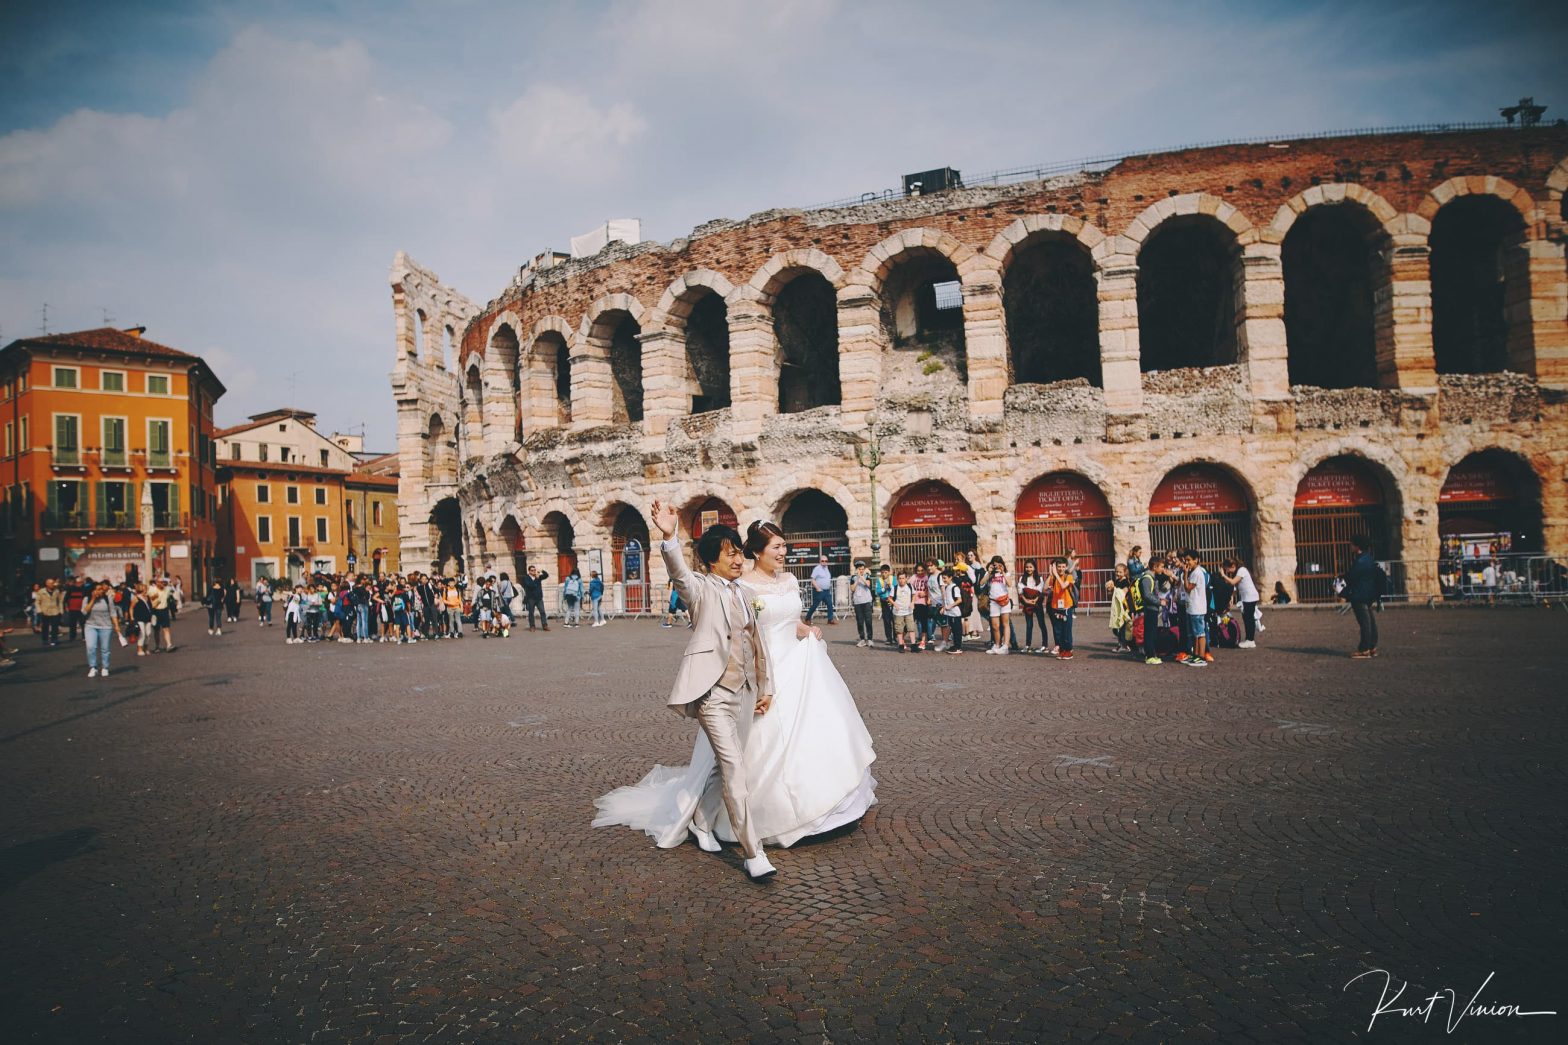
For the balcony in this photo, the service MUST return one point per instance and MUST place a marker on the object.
(66, 456)
(65, 519)
(160, 459)
(114, 458)
(167, 520)
(112, 520)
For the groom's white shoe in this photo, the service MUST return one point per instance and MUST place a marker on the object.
(759, 868)
(705, 840)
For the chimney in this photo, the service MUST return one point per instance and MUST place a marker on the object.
(134, 331)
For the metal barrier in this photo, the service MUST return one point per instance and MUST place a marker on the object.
(1516, 578)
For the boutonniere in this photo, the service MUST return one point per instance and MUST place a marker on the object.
(757, 605)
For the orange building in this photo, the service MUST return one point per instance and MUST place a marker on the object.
(281, 519)
(89, 419)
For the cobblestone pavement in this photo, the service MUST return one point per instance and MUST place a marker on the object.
(249, 841)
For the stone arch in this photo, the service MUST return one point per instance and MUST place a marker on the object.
(1385, 213)
(1182, 458)
(1050, 298)
(1189, 281)
(899, 481)
(882, 258)
(547, 374)
(1116, 493)
(421, 349)
(779, 269)
(1391, 467)
(610, 334)
(776, 499)
(1192, 204)
(676, 302)
(695, 308)
(1556, 187)
(1017, 235)
(1480, 185)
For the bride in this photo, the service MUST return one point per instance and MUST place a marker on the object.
(807, 760)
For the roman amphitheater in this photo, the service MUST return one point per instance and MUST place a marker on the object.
(1253, 349)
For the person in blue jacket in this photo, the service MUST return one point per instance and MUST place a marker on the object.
(1363, 589)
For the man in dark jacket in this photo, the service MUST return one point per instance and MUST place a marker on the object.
(1363, 583)
(533, 596)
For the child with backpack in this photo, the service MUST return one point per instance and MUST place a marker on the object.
(904, 612)
(1061, 602)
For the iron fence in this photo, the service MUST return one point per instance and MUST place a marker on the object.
(1098, 164)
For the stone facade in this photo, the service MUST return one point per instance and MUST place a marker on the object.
(522, 434)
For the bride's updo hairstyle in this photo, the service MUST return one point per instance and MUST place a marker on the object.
(758, 534)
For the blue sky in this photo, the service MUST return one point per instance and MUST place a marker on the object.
(237, 176)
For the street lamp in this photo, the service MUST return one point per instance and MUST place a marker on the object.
(147, 529)
(868, 451)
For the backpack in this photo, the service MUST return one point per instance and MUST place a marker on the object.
(1227, 632)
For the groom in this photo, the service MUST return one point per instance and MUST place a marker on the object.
(723, 678)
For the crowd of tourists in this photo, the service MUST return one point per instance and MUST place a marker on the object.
(418, 607)
(138, 615)
(1171, 606)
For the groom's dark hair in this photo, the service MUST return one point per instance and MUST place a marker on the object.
(712, 542)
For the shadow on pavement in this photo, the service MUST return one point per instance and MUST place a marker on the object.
(20, 862)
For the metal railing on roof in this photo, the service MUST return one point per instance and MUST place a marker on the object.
(1096, 164)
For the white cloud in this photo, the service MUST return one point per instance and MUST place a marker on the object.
(561, 135)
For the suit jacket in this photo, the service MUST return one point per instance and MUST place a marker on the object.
(715, 612)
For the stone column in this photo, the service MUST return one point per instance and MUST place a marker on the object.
(1121, 371)
(593, 392)
(664, 396)
(985, 337)
(754, 367)
(859, 353)
(1404, 358)
(1537, 310)
(539, 405)
(1260, 323)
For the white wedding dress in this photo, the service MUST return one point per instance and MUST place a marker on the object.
(807, 760)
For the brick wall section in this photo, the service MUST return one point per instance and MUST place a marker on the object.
(1256, 179)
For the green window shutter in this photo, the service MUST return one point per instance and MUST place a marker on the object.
(174, 504)
(102, 504)
(53, 505)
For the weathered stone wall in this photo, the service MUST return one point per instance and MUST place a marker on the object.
(960, 419)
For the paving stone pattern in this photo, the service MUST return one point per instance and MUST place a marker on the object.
(247, 841)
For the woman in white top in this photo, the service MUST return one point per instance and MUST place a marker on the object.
(1239, 577)
(1001, 606)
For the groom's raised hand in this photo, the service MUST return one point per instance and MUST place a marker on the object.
(667, 521)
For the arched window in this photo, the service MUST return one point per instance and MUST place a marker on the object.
(1477, 273)
(1053, 312)
(1329, 257)
(447, 337)
(1202, 507)
(923, 311)
(708, 353)
(805, 326)
(473, 412)
(815, 525)
(504, 360)
(419, 333)
(626, 368)
(1187, 295)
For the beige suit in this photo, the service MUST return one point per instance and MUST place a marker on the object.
(724, 670)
